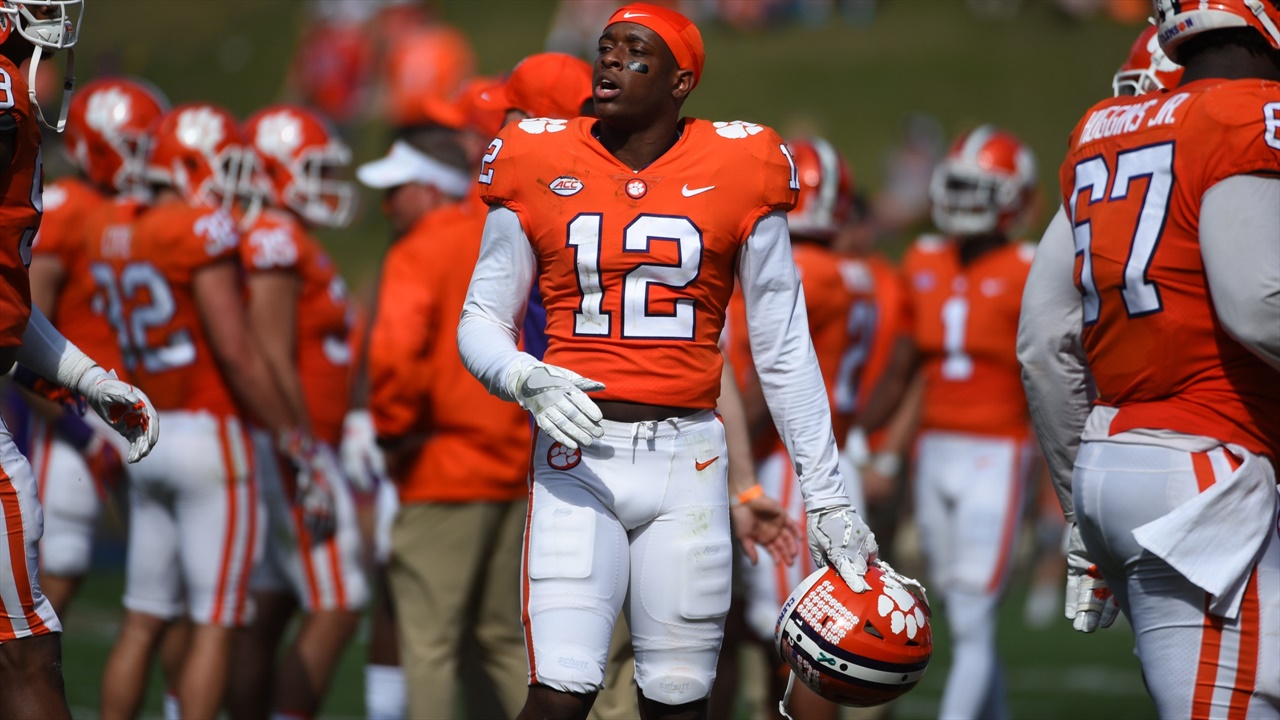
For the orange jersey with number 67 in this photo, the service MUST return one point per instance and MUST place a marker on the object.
(147, 278)
(636, 268)
(965, 325)
(1131, 185)
(21, 185)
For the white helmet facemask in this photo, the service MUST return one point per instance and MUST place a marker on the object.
(320, 199)
(58, 32)
(970, 201)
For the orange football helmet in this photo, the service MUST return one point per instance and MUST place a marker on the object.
(298, 150)
(107, 127)
(196, 149)
(1178, 20)
(859, 649)
(826, 189)
(984, 184)
(1147, 68)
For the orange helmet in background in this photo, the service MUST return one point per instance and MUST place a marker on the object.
(826, 189)
(985, 183)
(1147, 68)
(107, 131)
(858, 649)
(1178, 20)
(549, 84)
(296, 149)
(197, 150)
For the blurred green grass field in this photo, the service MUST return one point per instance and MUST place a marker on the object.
(1034, 75)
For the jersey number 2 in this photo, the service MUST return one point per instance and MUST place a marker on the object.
(1154, 162)
(637, 321)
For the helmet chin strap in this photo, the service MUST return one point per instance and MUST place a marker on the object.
(786, 696)
(68, 85)
(1260, 11)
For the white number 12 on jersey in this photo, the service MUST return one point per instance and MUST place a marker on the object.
(637, 322)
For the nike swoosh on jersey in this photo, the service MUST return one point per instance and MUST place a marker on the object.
(705, 464)
(685, 191)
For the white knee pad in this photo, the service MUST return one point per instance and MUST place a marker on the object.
(673, 684)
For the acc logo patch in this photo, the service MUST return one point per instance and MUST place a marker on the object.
(562, 458)
(537, 126)
(737, 129)
(566, 185)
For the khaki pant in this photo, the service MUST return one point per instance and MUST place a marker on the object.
(455, 575)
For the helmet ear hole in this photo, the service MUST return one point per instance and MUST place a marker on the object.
(871, 630)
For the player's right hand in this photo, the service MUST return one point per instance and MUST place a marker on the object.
(1089, 603)
(126, 409)
(557, 399)
(362, 459)
(839, 536)
(314, 474)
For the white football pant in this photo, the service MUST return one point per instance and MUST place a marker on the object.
(630, 523)
(24, 610)
(1196, 664)
(196, 528)
(325, 575)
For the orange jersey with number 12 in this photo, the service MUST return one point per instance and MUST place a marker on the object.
(1132, 184)
(636, 268)
(21, 205)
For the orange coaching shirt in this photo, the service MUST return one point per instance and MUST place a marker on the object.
(965, 324)
(278, 242)
(150, 275)
(1132, 183)
(636, 268)
(20, 204)
(476, 446)
(72, 207)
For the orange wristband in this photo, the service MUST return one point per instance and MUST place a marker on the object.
(748, 495)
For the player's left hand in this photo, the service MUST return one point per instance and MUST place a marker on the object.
(763, 521)
(839, 536)
(557, 399)
(315, 472)
(1089, 603)
(362, 459)
(125, 408)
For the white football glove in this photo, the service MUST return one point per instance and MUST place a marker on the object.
(314, 475)
(557, 399)
(362, 459)
(124, 407)
(1089, 604)
(838, 535)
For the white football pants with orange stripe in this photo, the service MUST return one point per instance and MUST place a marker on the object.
(325, 575)
(970, 492)
(196, 527)
(24, 610)
(639, 519)
(769, 584)
(1196, 664)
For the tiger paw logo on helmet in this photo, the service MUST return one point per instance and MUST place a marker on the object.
(201, 128)
(736, 129)
(279, 134)
(857, 649)
(563, 458)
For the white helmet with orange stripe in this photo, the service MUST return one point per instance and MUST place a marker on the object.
(984, 184)
(1179, 20)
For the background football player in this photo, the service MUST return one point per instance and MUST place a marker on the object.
(195, 523)
(1157, 289)
(300, 317)
(628, 499)
(973, 448)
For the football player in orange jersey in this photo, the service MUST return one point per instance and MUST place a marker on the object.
(1151, 349)
(636, 225)
(106, 138)
(973, 450)
(1147, 68)
(175, 290)
(30, 652)
(300, 315)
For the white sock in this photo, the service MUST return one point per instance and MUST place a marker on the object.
(384, 692)
(171, 707)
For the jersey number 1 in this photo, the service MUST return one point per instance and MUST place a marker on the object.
(1154, 162)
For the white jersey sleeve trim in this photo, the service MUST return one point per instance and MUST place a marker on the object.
(1240, 248)
(778, 329)
(496, 302)
(1054, 369)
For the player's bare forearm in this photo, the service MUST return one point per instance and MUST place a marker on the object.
(889, 393)
(273, 310)
(738, 444)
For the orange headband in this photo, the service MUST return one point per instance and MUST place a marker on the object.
(676, 30)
